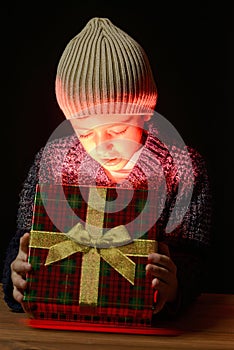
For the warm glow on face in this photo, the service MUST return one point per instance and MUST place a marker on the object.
(110, 144)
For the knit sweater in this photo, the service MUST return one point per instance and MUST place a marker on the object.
(64, 160)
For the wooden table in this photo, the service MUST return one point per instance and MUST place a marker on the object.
(209, 324)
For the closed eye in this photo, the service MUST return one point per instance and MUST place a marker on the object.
(118, 131)
(85, 136)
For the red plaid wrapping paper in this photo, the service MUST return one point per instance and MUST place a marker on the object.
(53, 290)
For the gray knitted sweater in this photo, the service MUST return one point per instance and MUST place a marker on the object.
(64, 159)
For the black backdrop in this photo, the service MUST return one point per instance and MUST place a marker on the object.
(190, 49)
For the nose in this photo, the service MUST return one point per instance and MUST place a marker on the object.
(103, 140)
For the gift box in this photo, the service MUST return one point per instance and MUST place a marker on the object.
(88, 248)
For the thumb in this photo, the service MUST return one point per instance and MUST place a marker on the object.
(163, 249)
(24, 243)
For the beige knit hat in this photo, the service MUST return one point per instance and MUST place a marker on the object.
(104, 71)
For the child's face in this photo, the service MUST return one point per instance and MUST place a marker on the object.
(110, 139)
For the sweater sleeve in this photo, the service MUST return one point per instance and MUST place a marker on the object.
(193, 249)
(189, 242)
(24, 221)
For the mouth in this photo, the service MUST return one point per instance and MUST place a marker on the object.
(110, 161)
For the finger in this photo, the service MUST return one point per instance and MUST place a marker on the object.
(159, 305)
(159, 285)
(18, 294)
(20, 267)
(162, 260)
(18, 281)
(159, 272)
(159, 301)
(24, 243)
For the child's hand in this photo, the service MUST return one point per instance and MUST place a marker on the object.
(19, 268)
(163, 269)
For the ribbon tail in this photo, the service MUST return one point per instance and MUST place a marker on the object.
(120, 262)
(89, 278)
(139, 247)
(63, 250)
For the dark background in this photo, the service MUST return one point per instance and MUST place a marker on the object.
(190, 47)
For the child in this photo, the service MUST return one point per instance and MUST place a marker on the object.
(105, 88)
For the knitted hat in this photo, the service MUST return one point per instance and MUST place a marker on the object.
(104, 71)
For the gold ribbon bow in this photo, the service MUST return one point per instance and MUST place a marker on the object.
(61, 246)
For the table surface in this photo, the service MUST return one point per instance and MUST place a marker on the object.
(209, 324)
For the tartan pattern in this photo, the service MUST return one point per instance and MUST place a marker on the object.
(116, 213)
(53, 290)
